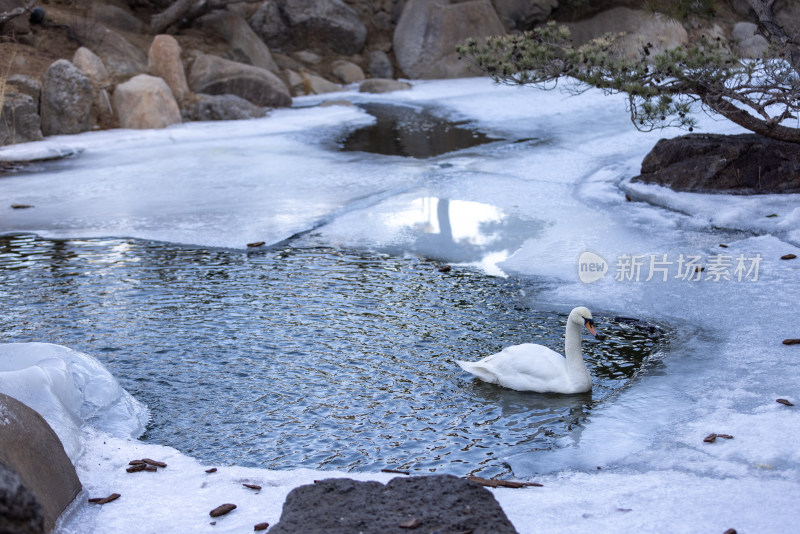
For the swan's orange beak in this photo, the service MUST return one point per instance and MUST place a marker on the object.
(589, 324)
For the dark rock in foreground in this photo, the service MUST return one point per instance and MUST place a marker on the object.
(31, 448)
(741, 164)
(20, 512)
(441, 503)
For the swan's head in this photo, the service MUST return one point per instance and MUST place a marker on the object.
(583, 317)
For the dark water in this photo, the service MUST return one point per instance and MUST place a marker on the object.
(305, 357)
(411, 132)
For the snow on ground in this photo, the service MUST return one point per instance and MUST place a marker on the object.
(529, 208)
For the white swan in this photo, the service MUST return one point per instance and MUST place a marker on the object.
(531, 367)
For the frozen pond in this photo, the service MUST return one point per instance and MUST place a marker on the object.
(137, 223)
(307, 357)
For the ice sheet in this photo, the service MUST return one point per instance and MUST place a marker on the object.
(527, 208)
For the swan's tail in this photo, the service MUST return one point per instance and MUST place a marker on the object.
(478, 370)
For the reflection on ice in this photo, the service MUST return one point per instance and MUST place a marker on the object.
(459, 231)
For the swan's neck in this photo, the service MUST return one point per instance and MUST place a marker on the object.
(572, 349)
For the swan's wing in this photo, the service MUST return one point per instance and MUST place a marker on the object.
(533, 361)
(526, 367)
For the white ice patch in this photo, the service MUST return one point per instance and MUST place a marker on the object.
(69, 389)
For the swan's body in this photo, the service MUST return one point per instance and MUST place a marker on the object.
(531, 367)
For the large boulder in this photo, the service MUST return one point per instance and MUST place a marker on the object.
(638, 26)
(19, 120)
(145, 101)
(246, 46)
(524, 14)
(20, 511)
(429, 30)
(441, 503)
(217, 76)
(31, 448)
(747, 163)
(325, 26)
(164, 61)
(66, 101)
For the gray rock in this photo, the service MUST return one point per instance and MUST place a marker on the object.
(119, 55)
(30, 447)
(325, 26)
(441, 503)
(747, 42)
(746, 163)
(246, 46)
(66, 100)
(380, 66)
(382, 85)
(24, 85)
(429, 30)
(20, 512)
(270, 26)
(216, 76)
(221, 108)
(20, 122)
(116, 17)
(17, 25)
(145, 102)
(524, 14)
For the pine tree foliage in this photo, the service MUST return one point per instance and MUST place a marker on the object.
(762, 95)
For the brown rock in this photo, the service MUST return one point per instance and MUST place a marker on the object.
(347, 72)
(144, 102)
(32, 449)
(164, 61)
(105, 500)
(90, 65)
(222, 509)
